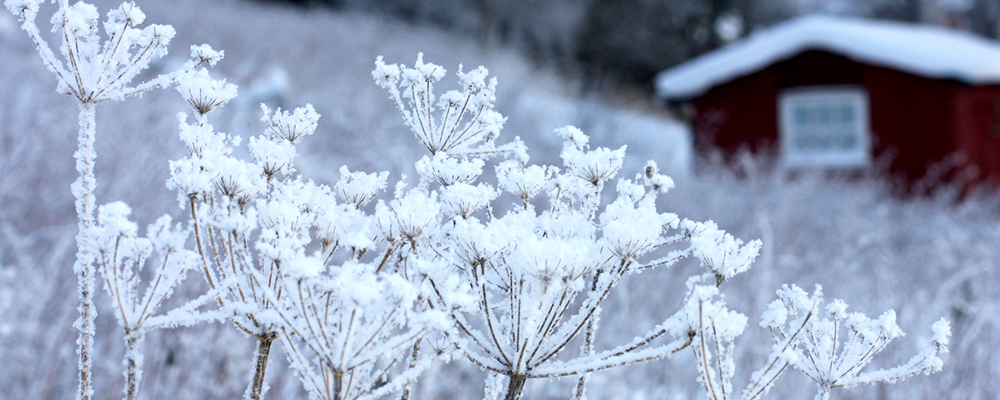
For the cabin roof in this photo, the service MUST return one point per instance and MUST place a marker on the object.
(922, 50)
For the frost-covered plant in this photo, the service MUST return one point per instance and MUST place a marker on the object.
(343, 289)
(539, 274)
(94, 72)
(347, 329)
(229, 200)
(364, 297)
(122, 257)
(539, 277)
(468, 125)
(833, 351)
(801, 339)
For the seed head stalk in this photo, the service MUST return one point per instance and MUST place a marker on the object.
(83, 191)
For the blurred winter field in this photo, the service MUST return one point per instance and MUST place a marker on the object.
(926, 258)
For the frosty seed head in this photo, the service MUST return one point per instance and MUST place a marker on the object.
(23, 9)
(79, 20)
(204, 54)
(522, 182)
(272, 156)
(204, 93)
(447, 171)
(385, 75)
(463, 199)
(359, 188)
(942, 333)
(290, 127)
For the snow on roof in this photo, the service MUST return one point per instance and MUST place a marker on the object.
(918, 49)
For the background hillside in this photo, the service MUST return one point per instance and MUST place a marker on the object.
(607, 43)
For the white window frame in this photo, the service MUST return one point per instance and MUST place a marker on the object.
(854, 96)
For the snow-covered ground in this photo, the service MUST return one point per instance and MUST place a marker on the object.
(926, 258)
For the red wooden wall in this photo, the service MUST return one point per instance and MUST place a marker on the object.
(915, 121)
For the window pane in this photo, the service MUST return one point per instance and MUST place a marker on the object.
(824, 114)
(847, 113)
(825, 127)
(801, 115)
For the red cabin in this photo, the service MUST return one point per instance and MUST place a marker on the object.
(839, 93)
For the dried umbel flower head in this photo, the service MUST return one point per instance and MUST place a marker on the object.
(272, 156)
(467, 123)
(94, 72)
(463, 199)
(447, 171)
(291, 127)
(651, 177)
(204, 54)
(359, 188)
(834, 350)
(722, 254)
(594, 166)
(204, 93)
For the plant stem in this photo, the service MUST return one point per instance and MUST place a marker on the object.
(83, 191)
(256, 389)
(580, 393)
(414, 358)
(133, 364)
(516, 387)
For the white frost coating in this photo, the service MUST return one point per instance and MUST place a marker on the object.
(494, 386)
(202, 140)
(923, 50)
(291, 127)
(651, 177)
(721, 253)
(572, 137)
(121, 258)
(522, 181)
(942, 332)
(632, 229)
(358, 187)
(239, 179)
(363, 300)
(410, 216)
(712, 328)
(463, 199)
(538, 278)
(206, 55)
(447, 171)
(833, 351)
(113, 220)
(304, 267)
(272, 156)
(596, 166)
(343, 225)
(466, 124)
(27, 9)
(204, 93)
(93, 72)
